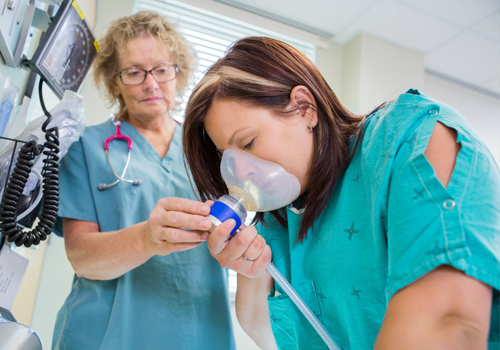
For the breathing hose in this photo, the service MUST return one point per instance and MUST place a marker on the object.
(302, 306)
(14, 189)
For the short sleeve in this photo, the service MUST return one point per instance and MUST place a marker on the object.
(429, 225)
(75, 194)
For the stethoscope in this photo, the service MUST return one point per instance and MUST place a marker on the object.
(118, 136)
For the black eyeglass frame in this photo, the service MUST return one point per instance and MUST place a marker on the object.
(150, 72)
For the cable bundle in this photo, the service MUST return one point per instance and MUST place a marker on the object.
(14, 189)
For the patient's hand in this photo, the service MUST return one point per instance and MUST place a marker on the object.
(247, 243)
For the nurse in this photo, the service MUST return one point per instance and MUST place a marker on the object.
(393, 241)
(144, 276)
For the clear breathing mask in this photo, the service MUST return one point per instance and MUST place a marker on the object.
(254, 184)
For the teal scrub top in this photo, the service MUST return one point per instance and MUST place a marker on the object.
(178, 301)
(388, 222)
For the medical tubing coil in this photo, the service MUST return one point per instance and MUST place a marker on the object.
(14, 189)
(306, 311)
(13, 192)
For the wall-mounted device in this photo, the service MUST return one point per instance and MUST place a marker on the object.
(62, 59)
(66, 51)
(15, 21)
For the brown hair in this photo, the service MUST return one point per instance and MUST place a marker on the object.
(262, 72)
(121, 32)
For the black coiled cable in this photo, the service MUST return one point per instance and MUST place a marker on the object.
(14, 189)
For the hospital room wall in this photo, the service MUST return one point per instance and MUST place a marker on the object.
(363, 73)
(375, 71)
(96, 108)
(481, 111)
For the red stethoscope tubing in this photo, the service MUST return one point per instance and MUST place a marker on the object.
(118, 136)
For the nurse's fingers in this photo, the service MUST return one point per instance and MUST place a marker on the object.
(160, 216)
(176, 235)
(189, 221)
(184, 205)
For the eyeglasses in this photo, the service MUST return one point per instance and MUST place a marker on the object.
(136, 76)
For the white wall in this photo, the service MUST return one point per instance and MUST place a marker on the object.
(329, 62)
(96, 109)
(376, 71)
(481, 111)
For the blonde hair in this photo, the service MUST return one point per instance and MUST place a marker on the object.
(125, 29)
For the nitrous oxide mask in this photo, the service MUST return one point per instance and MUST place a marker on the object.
(254, 184)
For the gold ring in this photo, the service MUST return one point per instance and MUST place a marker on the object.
(244, 257)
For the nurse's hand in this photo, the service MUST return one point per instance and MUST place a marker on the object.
(247, 243)
(176, 224)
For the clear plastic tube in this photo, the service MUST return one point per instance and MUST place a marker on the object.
(306, 311)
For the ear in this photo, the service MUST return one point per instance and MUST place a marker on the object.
(302, 97)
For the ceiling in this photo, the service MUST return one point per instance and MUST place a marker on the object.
(460, 39)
